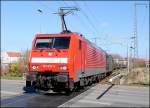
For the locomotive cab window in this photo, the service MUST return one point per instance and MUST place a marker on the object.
(61, 42)
(52, 42)
(43, 43)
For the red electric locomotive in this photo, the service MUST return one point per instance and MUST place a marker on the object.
(62, 62)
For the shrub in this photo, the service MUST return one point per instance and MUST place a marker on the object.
(4, 70)
(13, 69)
(139, 63)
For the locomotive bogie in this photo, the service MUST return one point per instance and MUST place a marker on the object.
(49, 80)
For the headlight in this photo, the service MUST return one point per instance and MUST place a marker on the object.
(63, 67)
(34, 67)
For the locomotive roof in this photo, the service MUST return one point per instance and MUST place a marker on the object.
(68, 34)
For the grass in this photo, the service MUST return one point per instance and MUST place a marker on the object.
(11, 78)
(138, 77)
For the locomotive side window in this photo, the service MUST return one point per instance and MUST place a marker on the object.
(53, 42)
(80, 45)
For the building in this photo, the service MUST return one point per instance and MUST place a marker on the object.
(10, 57)
(147, 63)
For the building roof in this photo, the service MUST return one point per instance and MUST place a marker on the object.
(147, 62)
(14, 54)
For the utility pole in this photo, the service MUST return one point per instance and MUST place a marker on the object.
(95, 40)
(128, 58)
(127, 54)
(62, 12)
(135, 34)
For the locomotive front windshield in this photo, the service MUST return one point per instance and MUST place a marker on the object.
(52, 42)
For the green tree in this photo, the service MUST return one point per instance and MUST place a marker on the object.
(17, 69)
(13, 70)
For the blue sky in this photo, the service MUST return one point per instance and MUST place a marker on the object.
(112, 22)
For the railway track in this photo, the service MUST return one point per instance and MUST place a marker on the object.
(48, 99)
(106, 79)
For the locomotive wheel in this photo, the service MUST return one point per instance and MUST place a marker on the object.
(97, 80)
(28, 83)
(29, 88)
(57, 90)
(67, 91)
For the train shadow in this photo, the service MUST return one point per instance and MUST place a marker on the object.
(41, 99)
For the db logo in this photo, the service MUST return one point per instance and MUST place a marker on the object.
(49, 53)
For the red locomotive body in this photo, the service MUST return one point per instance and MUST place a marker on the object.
(64, 61)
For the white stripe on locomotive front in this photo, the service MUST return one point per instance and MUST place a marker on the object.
(49, 60)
